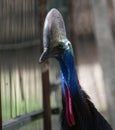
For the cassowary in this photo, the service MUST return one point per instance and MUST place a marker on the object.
(78, 111)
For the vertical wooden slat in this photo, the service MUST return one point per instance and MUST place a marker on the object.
(0, 105)
(46, 100)
(2, 92)
(45, 74)
(71, 26)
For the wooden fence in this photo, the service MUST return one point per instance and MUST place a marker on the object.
(22, 81)
(25, 89)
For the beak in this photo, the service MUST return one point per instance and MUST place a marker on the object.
(44, 56)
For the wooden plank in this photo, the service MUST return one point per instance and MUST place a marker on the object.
(38, 81)
(2, 93)
(17, 27)
(7, 93)
(0, 104)
(71, 29)
(15, 123)
(12, 46)
(13, 94)
(21, 120)
(27, 84)
(46, 99)
(45, 71)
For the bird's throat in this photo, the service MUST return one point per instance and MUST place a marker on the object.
(70, 85)
(68, 74)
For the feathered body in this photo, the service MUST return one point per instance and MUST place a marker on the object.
(78, 112)
(85, 114)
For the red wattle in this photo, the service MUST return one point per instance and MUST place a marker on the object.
(69, 111)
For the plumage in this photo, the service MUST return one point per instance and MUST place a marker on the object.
(78, 112)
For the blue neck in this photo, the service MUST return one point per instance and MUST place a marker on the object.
(68, 73)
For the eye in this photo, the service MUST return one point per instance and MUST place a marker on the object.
(68, 44)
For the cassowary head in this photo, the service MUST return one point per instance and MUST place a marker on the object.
(56, 45)
(54, 36)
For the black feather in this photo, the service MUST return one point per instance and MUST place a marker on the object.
(86, 117)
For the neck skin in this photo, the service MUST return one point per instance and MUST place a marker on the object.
(68, 73)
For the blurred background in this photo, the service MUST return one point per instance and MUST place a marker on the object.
(90, 27)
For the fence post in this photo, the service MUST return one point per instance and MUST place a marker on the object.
(71, 27)
(45, 71)
(46, 98)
